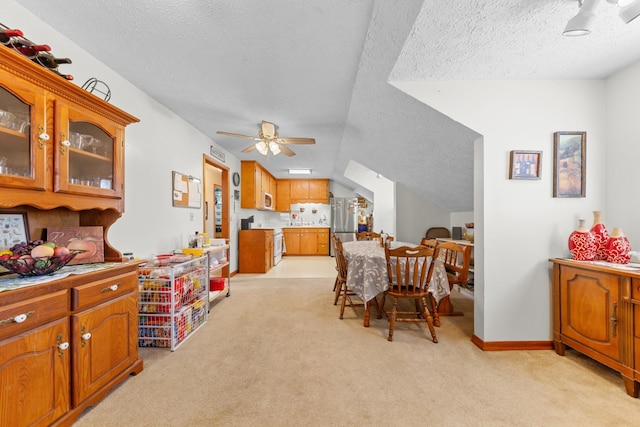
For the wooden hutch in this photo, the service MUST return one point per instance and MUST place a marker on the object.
(66, 342)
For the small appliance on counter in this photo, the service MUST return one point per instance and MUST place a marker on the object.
(245, 223)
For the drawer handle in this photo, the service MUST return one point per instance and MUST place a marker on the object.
(111, 288)
(614, 318)
(17, 319)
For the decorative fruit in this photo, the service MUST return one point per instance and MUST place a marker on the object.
(60, 250)
(27, 259)
(50, 244)
(87, 244)
(41, 251)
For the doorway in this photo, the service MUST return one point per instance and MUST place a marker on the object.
(216, 199)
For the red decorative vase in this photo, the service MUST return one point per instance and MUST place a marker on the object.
(601, 234)
(618, 248)
(582, 243)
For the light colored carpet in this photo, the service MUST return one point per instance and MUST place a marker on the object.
(276, 354)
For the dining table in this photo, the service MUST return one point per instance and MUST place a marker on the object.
(367, 273)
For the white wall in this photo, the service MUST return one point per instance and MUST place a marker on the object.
(414, 215)
(162, 142)
(623, 153)
(518, 224)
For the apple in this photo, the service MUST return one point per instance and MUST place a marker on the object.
(60, 251)
(41, 251)
(84, 245)
(50, 244)
(28, 259)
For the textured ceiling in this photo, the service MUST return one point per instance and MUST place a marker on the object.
(320, 68)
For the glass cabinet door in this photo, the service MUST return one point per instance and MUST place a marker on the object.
(87, 151)
(22, 152)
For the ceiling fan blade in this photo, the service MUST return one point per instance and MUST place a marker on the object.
(296, 140)
(249, 149)
(286, 150)
(238, 135)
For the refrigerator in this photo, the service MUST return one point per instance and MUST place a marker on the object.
(344, 218)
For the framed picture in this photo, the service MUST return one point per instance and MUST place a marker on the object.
(525, 164)
(89, 239)
(13, 229)
(569, 162)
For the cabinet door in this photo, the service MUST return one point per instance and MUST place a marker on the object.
(299, 190)
(590, 309)
(34, 376)
(23, 154)
(283, 196)
(319, 190)
(268, 246)
(88, 153)
(104, 342)
(308, 242)
(292, 241)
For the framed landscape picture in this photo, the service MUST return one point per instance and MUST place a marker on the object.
(569, 163)
(525, 164)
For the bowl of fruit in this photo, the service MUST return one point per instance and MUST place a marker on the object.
(36, 258)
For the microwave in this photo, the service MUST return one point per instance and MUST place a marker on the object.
(266, 202)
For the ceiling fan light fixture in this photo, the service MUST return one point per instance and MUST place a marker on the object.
(629, 10)
(299, 171)
(275, 149)
(580, 25)
(262, 148)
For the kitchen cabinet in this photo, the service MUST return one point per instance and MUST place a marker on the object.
(255, 180)
(596, 311)
(283, 195)
(64, 344)
(76, 176)
(255, 251)
(309, 190)
(82, 162)
(306, 241)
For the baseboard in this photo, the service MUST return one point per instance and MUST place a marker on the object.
(511, 345)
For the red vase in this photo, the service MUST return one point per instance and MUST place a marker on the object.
(582, 243)
(618, 248)
(601, 235)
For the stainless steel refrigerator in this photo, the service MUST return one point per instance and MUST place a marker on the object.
(344, 218)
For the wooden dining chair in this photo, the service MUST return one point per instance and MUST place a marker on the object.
(368, 235)
(336, 288)
(347, 296)
(409, 271)
(435, 232)
(430, 243)
(457, 261)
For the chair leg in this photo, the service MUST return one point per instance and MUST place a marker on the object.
(392, 320)
(429, 319)
(434, 308)
(337, 288)
(343, 292)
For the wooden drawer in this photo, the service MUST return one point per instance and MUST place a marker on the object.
(635, 289)
(24, 315)
(103, 290)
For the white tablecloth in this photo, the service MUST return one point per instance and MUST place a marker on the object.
(367, 271)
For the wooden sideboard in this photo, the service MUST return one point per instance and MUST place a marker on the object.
(596, 311)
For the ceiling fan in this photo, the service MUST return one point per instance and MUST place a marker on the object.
(269, 140)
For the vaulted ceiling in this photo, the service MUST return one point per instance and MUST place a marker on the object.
(324, 69)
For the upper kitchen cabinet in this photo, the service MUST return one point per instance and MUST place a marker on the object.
(60, 146)
(256, 180)
(309, 190)
(283, 195)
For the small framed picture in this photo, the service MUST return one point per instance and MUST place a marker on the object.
(525, 164)
(13, 229)
(569, 163)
